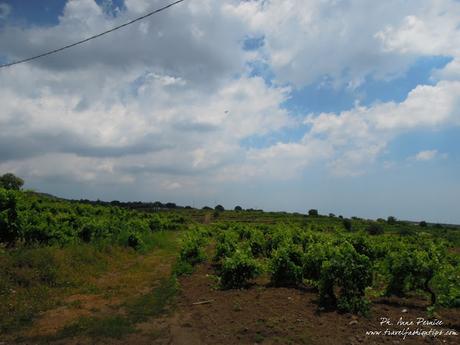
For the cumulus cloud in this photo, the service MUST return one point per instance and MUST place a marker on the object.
(5, 10)
(426, 155)
(306, 41)
(169, 100)
(347, 41)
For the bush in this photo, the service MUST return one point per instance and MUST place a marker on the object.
(257, 243)
(347, 224)
(406, 232)
(238, 270)
(411, 268)
(227, 242)
(375, 229)
(286, 266)
(191, 251)
(9, 229)
(391, 220)
(134, 241)
(315, 255)
(313, 212)
(277, 238)
(446, 284)
(350, 273)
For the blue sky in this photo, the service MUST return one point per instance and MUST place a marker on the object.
(273, 105)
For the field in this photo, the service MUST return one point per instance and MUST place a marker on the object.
(80, 272)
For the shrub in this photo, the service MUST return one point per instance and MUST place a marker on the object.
(238, 270)
(9, 229)
(315, 255)
(286, 266)
(277, 238)
(391, 220)
(313, 212)
(446, 284)
(347, 224)
(191, 251)
(257, 243)
(155, 223)
(374, 229)
(227, 242)
(364, 245)
(350, 273)
(134, 241)
(411, 268)
(406, 232)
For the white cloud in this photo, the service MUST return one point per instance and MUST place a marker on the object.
(5, 10)
(308, 39)
(426, 155)
(171, 103)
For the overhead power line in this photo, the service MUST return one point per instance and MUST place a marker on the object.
(92, 37)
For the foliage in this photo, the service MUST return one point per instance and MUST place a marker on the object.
(446, 284)
(286, 265)
(347, 224)
(191, 251)
(238, 269)
(375, 229)
(350, 272)
(391, 220)
(227, 242)
(313, 212)
(219, 208)
(315, 255)
(412, 267)
(35, 219)
(9, 230)
(11, 182)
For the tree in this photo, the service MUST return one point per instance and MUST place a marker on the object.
(10, 181)
(313, 212)
(238, 208)
(219, 208)
(391, 220)
(423, 224)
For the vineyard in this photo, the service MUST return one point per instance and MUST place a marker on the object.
(344, 267)
(111, 267)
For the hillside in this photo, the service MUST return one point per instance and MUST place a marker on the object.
(91, 272)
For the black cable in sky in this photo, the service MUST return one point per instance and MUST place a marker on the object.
(92, 37)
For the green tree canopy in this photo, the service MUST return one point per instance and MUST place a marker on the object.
(10, 181)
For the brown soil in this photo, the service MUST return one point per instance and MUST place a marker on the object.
(261, 314)
(269, 315)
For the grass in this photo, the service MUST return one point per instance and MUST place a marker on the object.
(35, 279)
(139, 309)
(154, 303)
(108, 327)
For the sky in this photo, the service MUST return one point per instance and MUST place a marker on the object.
(351, 107)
